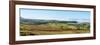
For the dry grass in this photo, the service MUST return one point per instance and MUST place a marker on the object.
(50, 29)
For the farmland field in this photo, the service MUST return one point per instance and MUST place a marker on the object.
(49, 27)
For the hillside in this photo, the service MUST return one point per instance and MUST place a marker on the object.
(40, 21)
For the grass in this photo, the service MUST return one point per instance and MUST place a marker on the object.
(54, 32)
(53, 28)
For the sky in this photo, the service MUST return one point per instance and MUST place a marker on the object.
(47, 14)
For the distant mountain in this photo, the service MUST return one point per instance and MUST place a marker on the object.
(40, 21)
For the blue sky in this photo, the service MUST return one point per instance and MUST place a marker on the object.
(65, 15)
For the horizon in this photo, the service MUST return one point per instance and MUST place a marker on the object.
(44, 14)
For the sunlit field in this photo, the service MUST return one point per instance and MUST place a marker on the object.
(51, 22)
(53, 27)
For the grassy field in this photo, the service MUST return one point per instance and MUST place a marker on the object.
(51, 21)
(54, 28)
